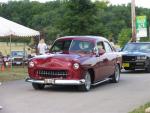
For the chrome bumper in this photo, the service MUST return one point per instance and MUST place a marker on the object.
(56, 81)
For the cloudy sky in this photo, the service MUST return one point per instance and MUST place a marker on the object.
(141, 3)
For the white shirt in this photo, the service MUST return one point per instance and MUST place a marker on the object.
(42, 48)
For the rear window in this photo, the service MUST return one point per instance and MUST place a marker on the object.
(17, 53)
(78, 45)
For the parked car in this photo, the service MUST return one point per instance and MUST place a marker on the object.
(76, 60)
(18, 57)
(136, 56)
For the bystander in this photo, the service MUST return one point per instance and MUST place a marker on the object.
(42, 47)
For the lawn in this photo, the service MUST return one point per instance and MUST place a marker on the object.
(141, 109)
(14, 73)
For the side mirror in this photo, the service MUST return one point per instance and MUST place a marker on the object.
(101, 51)
(94, 50)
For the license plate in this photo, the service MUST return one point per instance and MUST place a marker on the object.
(126, 65)
(49, 81)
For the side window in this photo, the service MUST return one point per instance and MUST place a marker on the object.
(100, 45)
(107, 47)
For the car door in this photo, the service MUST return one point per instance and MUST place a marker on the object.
(100, 71)
(111, 59)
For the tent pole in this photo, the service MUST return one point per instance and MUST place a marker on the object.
(24, 55)
(10, 45)
(10, 53)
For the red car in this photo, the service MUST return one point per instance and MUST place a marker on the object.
(76, 60)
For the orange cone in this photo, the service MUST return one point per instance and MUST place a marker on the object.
(2, 67)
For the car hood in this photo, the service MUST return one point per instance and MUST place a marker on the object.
(66, 57)
(62, 60)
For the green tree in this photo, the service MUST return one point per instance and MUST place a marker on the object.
(72, 17)
(124, 36)
(79, 18)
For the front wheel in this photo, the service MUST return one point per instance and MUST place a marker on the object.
(116, 76)
(87, 85)
(38, 86)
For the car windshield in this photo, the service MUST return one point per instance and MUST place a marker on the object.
(17, 53)
(73, 46)
(137, 47)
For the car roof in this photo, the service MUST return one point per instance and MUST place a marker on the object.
(96, 38)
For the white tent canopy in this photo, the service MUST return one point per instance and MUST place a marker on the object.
(8, 28)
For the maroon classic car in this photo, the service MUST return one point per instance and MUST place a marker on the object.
(76, 60)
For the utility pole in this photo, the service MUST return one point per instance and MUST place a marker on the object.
(133, 17)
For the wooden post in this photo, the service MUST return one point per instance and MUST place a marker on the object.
(133, 17)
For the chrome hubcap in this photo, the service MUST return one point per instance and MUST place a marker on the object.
(87, 81)
(117, 74)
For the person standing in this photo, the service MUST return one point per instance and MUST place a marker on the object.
(42, 47)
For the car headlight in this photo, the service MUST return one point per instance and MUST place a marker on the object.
(76, 66)
(31, 64)
(141, 58)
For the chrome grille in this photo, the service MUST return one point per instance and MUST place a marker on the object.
(52, 73)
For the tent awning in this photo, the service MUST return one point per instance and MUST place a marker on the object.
(8, 28)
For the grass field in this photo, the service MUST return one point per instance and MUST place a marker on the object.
(141, 109)
(15, 73)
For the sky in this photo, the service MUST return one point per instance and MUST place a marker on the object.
(140, 3)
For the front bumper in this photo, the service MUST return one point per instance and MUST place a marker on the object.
(56, 81)
(135, 64)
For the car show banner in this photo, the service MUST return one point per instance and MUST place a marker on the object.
(141, 26)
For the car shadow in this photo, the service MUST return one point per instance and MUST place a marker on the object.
(61, 88)
(74, 89)
(101, 85)
(133, 71)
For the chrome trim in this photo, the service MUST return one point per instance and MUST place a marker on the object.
(107, 79)
(57, 81)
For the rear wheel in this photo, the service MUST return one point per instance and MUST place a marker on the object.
(116, 76)
(87, 85)
(38, 86)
